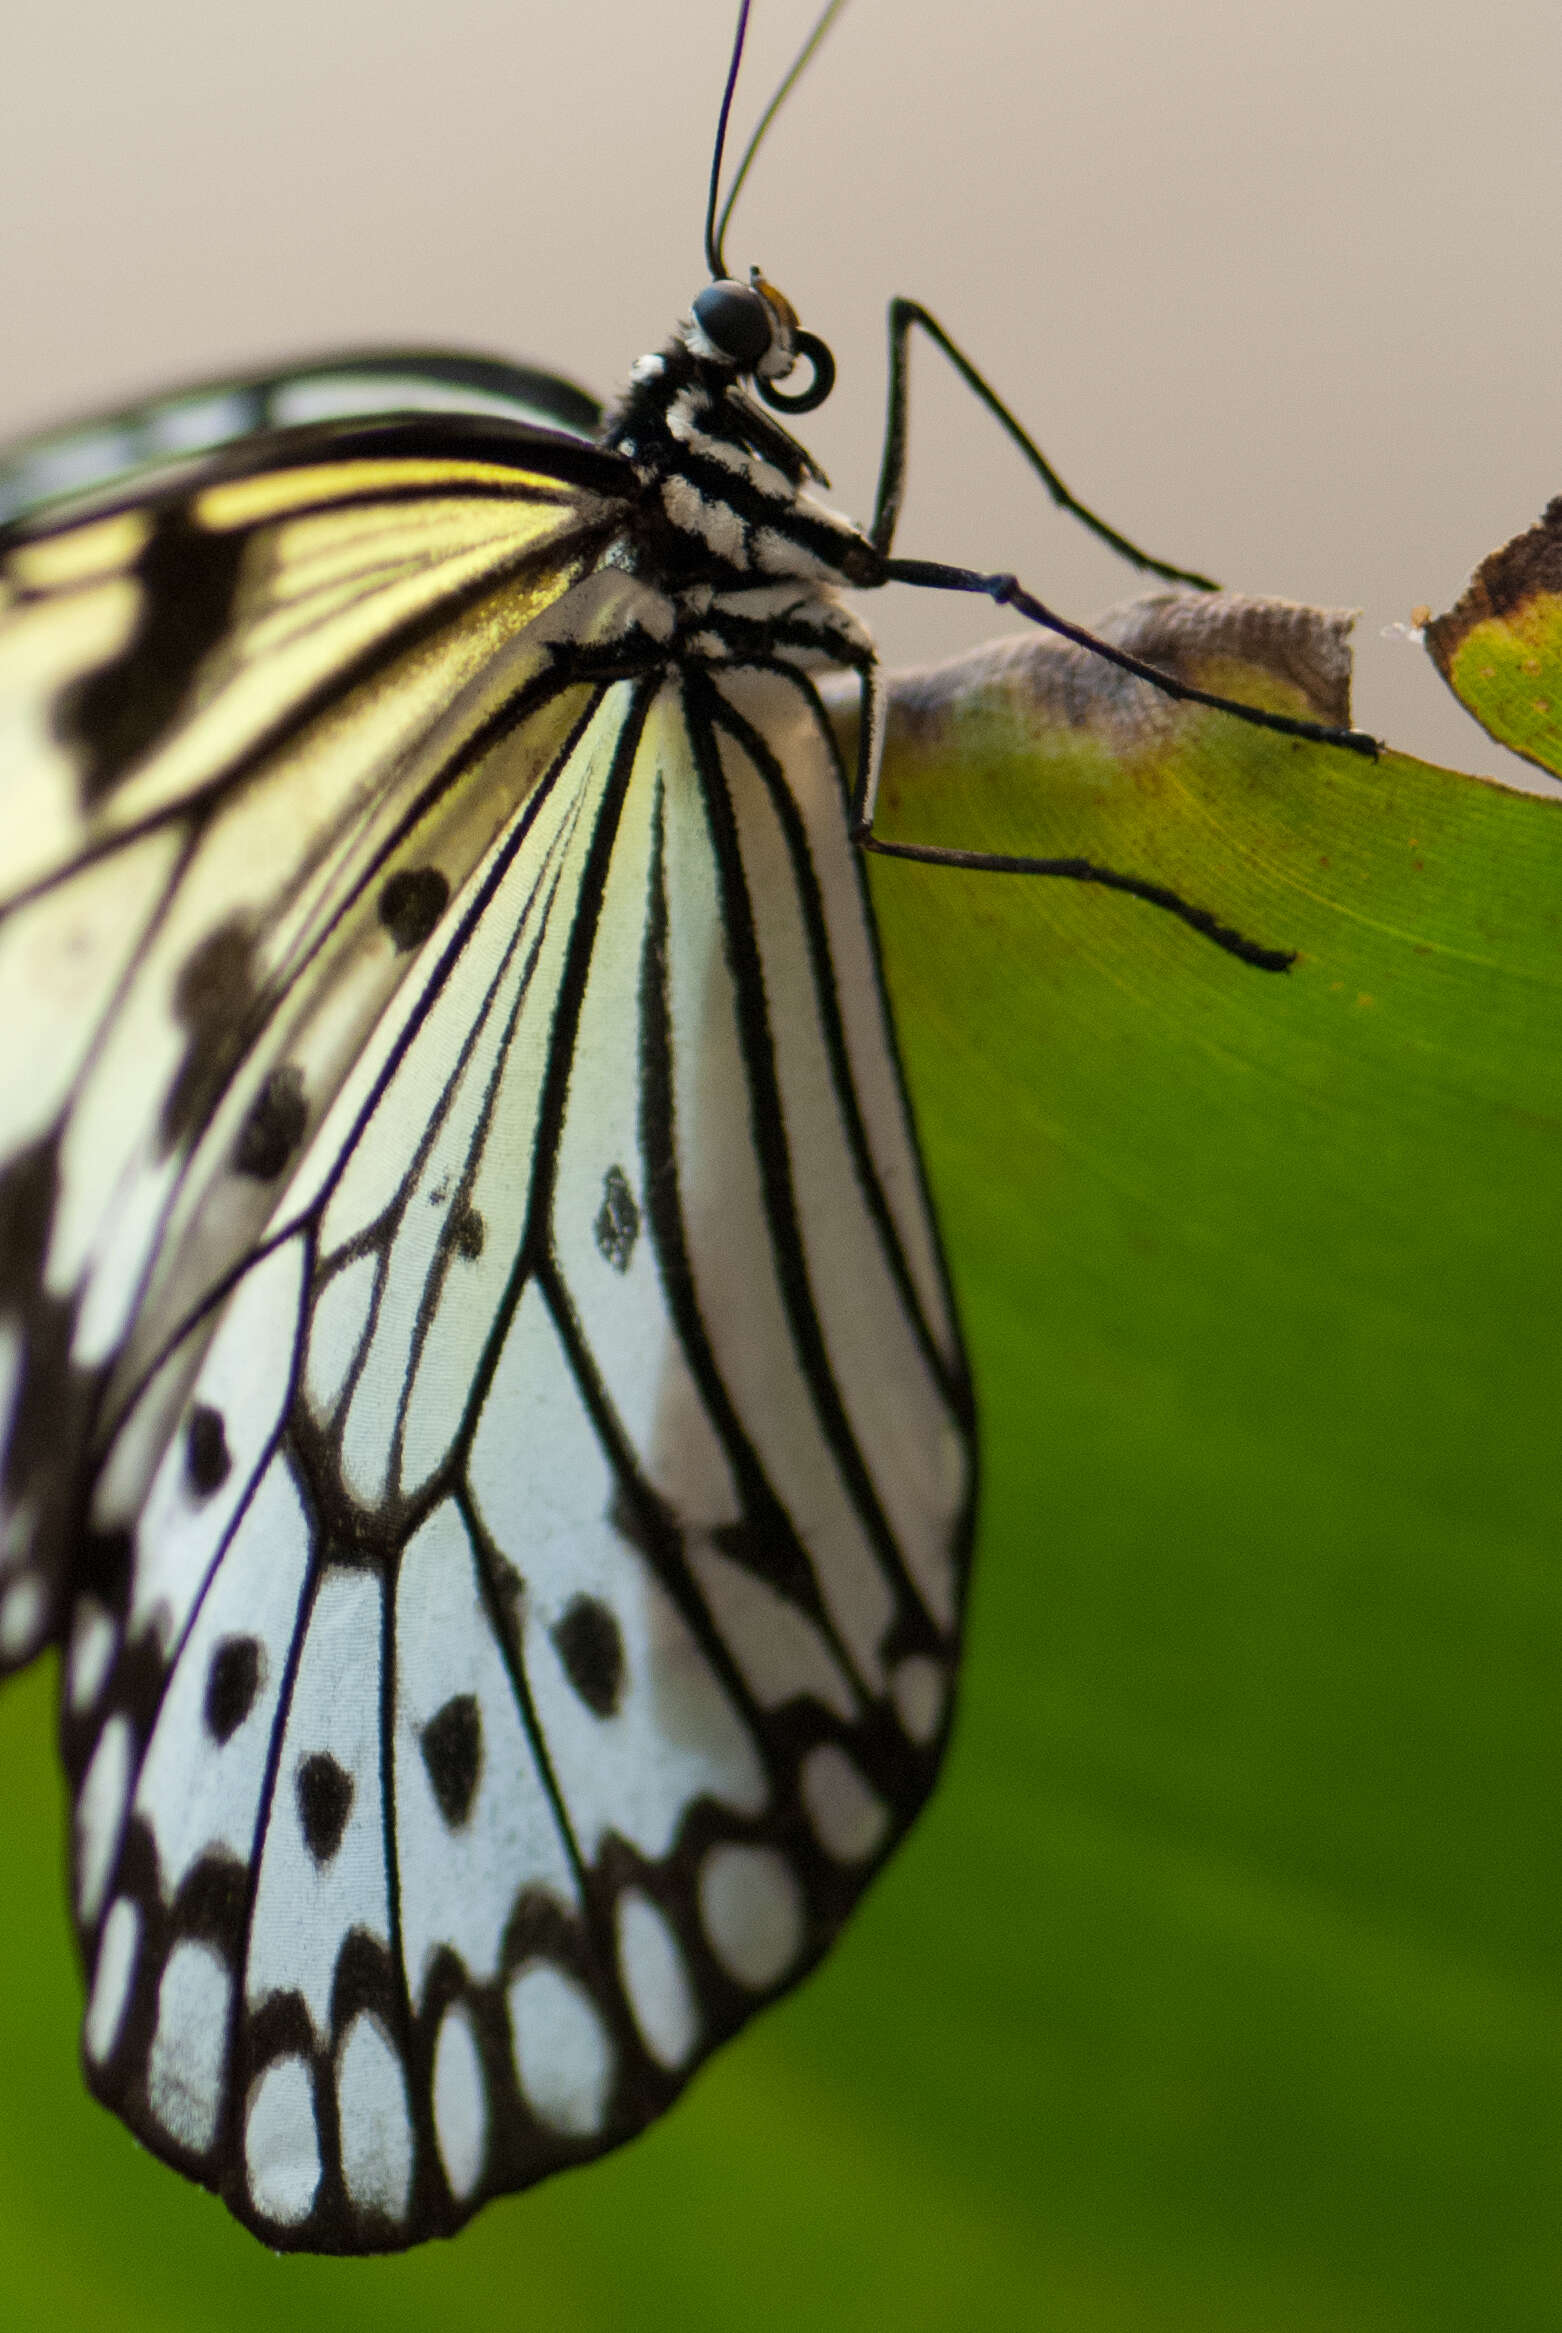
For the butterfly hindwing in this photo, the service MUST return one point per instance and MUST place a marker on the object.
(519, 1670)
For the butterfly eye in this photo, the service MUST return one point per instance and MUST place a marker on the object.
(737, 321)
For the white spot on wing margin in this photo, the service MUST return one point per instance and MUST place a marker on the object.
(184, 2078)
(751, 1908)
(111, 1980)
(282, 2144)
(371, 2091)
(460, 2103)
(563, 2057)
(651, 1962)
(847, 1816)
(100, 1814)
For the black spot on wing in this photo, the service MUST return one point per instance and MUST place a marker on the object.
(411, 904)
(212, 1901)
(452, 1744)
(188, 580)
(206, 1458)
(50, 1405)
(103, 1563)
(29, 1187)
(592, 1650)
(275, 1126)
(214, 999)
(232, 1682)
(325, 1797)
(617, 1226)
(467, 1234)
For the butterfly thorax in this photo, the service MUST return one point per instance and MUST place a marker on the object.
(724, 511)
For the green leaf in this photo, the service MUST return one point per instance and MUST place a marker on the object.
(1263, 1276)
(1219, 1987)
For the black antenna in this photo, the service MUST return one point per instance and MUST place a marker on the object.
(712, 232)
(799, 63)
(716, 230)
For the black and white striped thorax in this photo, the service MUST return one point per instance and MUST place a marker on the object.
(725, 531)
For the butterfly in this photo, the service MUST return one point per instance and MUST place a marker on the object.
(484, 1412)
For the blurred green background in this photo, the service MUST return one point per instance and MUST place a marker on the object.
(1220, 1986)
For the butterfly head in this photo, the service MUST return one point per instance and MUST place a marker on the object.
(754, 328)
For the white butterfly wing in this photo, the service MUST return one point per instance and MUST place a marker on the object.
(541, 1618)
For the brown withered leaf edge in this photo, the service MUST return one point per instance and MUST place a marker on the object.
(1203, 638)
(1525, 569)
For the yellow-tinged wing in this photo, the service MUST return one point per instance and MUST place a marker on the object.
(260, 718)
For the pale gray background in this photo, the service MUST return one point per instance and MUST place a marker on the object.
(1277, 288)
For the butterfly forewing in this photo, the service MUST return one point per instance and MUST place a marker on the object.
(539, 1615)
(60, 464)
(255, 730)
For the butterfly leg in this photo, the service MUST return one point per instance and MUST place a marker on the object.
(903, 316)
(1006, 590)
(864, 800)
(1077, 870)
